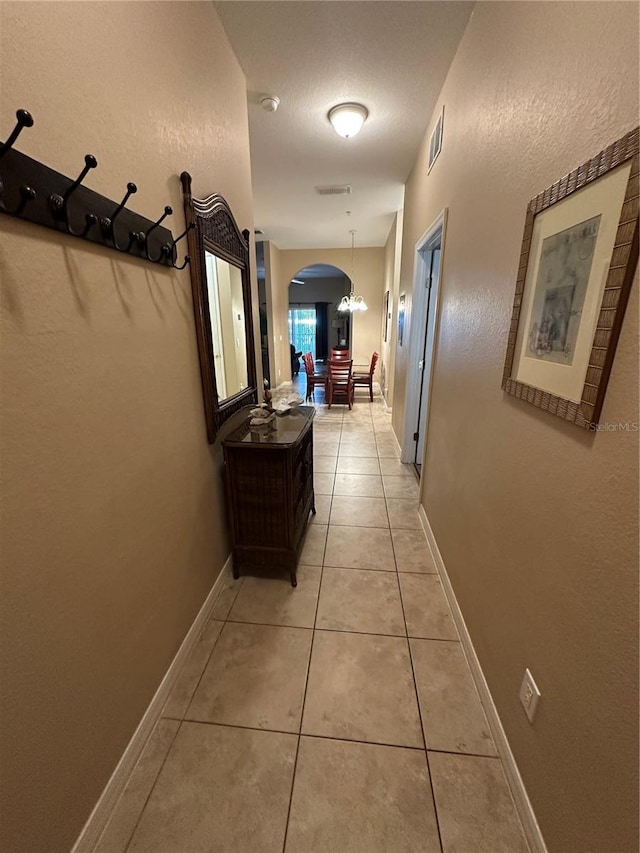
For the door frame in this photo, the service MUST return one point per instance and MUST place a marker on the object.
(418, 322)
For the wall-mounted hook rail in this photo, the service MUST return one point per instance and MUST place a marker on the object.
(36, 193)
(25, 119)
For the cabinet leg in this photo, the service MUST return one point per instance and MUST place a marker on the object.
(236, 573)
(294, 580)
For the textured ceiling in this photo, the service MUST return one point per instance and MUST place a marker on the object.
(392, 57)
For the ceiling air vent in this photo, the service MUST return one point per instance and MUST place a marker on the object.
(338, 189)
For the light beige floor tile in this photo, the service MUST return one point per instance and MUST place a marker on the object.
(323, 507)
(391, 467)
(324, 464)
(222, 789)
(225, 600)
(388, 449)
(125, 816)
(255, 677)
(359, 548)
(359, 485)
(400, 487)
(361, 429)
(273, 601)
(359, 512)
(426, 608)
(360, 601)
(452, 715)
(325, 445)
(323, 483)
(358, 465)
(361, 798)
(412, 552)
(327, 426)
(314, 542)
(190, 673)
(361, 688)
(475, 809)
(403, 514)
(358, 448)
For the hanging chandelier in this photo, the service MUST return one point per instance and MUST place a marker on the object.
(352, 302)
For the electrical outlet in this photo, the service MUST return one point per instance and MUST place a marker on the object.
(529, 695)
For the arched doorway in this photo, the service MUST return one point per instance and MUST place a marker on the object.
(315, 325)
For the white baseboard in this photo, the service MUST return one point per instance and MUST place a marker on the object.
(514, 779)
(101, 813)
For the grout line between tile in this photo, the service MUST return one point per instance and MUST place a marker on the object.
(155, 781)
(415, 687)
(306, 683)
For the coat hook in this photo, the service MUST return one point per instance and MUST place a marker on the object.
(134, 237)
(108, 224)
(25, 119)
(27, 194)
(59, 203)
(187, 260)
(172, 253)
(90, 220)
(167, 212)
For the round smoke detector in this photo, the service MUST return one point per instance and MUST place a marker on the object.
(270, 103)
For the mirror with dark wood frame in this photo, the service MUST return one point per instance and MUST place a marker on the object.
(221, 289)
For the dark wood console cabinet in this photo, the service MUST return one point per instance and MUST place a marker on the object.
(268, 473)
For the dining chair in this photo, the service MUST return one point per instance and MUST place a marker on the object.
(313, 378)
(366, 379)
(339, 355)
(339, 382)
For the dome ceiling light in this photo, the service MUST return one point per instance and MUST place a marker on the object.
(352, 302)
(347, 119)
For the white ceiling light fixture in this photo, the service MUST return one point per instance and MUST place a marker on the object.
(347, 119)
(352, 302)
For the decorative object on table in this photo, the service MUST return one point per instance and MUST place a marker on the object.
(266, 396)
(261, 415)
(286, 401)
(352, 302)
(366, 379)
(401, 304)
(36, 193)
(220, 284)
(578, 257)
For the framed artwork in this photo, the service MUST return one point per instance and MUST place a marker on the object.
(435, 140)
(578, 258)
(401, 304)
(387, 317)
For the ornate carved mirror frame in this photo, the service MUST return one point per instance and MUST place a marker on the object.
(213, 229)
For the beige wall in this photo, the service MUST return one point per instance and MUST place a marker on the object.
(537, 521)
(278, 318)
(392, 258)
(368, 281)
(112, 521)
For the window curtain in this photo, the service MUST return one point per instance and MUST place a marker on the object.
(322, 331)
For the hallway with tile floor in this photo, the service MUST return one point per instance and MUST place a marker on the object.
(338, 717)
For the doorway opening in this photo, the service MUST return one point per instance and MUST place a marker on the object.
(315, 325)
(424, 311)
